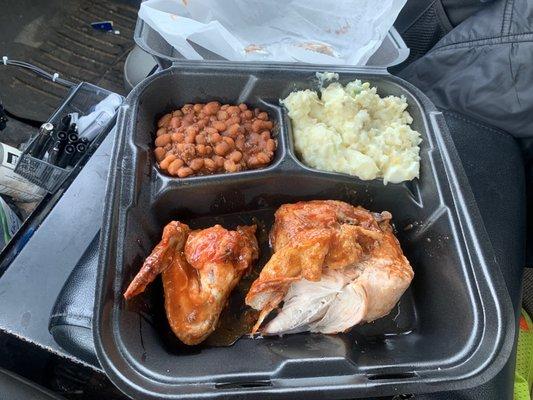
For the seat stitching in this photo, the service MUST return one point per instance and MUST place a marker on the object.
(481, 125)
(67, 315)
(507, 16)
(526, 36)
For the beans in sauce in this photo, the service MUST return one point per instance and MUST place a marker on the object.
(202, 139)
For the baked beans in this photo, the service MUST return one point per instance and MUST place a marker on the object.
(201, 139)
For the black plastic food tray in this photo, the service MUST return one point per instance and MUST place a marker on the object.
(452, 329)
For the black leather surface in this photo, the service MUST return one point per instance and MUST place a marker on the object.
(493, 163)
(71, 318)
(14, 387)
(478, 68)
(464, 72)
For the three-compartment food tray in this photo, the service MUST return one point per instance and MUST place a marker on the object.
(453, 328)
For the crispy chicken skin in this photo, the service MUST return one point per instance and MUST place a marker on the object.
(199, 268)
(334, 266)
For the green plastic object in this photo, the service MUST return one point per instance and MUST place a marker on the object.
(524, 359)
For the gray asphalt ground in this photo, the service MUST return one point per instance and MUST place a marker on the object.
(56, 36)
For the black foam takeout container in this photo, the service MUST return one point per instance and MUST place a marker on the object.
(453, 328)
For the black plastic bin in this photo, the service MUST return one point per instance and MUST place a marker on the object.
(453, 328)
(81, 99)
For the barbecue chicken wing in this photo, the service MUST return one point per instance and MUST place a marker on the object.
(199, 268)
(334, 266)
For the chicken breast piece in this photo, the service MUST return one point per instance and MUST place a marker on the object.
(334, 266)
(199, 270)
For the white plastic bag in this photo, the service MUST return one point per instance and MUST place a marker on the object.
(311, 31)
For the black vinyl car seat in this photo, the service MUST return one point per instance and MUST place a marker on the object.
(479, 74)
(71, 318)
